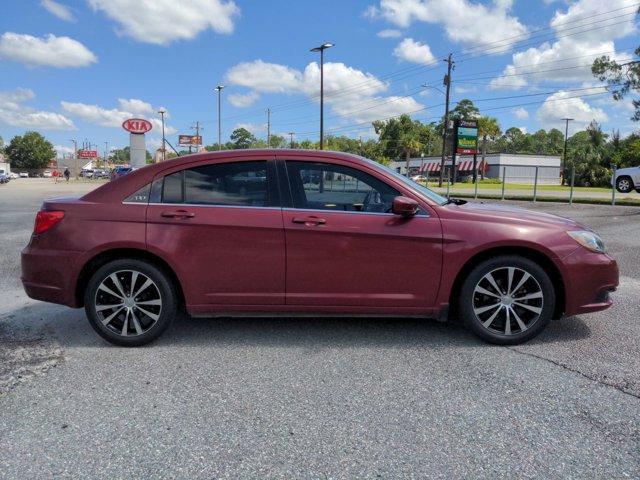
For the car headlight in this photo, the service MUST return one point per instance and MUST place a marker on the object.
(588, 240)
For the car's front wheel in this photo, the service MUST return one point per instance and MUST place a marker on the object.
(130, 302)
(624, 184)
(507, 299)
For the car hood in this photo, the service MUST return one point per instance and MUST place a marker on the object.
(513, 214)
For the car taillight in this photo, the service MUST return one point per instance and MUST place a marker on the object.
(46, 220)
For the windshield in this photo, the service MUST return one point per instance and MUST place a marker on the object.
(430, 194)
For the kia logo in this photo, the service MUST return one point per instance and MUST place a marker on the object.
(137, 125)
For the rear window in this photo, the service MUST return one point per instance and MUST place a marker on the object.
(141, 196)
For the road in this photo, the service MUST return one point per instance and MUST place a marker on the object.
(317, 398)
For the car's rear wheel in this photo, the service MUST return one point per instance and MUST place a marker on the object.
(507, 300)
(624, 184)
(130, 302)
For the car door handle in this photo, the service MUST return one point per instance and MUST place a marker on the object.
(310, 221)
(178, 214)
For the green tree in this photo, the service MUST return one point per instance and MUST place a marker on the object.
(488, 128)
(464, 109)
(393, 134)
(242, 138)
(622, 78)
(121, 156)
(30, 151)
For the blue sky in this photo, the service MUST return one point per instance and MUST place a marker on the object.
(76, 69)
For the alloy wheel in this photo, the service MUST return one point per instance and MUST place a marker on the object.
(508, 301)
(624, 185)
(128, 303)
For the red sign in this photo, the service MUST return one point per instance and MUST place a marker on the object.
(137, 125)
(87, 154)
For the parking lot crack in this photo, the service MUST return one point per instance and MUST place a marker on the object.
(574, 370)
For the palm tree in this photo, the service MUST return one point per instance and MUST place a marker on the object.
(488, 127)
(410, 144)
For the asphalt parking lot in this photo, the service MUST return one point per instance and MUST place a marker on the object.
(317, 398)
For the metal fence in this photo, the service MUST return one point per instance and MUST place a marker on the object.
(534, 184)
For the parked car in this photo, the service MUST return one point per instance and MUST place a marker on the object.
(47, 174)
(179, 234)
(23, 175)
(419, 178)
(4, 178)
(87, 173)
(120, 171)
(13, 176)
(627, 179)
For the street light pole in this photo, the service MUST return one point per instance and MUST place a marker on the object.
(564, 152)
(219, 90)
(162, 111)
(291, 134)
(321, 49)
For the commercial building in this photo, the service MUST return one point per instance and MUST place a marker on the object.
(517, 168)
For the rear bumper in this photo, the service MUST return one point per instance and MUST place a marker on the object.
(589, 279)
(48, 275)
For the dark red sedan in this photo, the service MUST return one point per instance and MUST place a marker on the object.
(294, 232)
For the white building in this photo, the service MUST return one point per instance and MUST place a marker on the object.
(518, 168)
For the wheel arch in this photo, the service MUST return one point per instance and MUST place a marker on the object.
(530, 253)
(106, 256)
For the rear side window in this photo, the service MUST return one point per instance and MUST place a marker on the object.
(232, 184)
(141, 196)
(173, 189)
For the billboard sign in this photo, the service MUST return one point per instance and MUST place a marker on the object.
(189, 140)
(87, 154)
(466, 137)
(137, 125)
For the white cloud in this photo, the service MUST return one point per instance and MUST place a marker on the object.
(13, 112)
(549, 61)
(561, 105)
(59, 10)
(264, 77)
(520, 113)
(351, 93)
(472, 24)
(242, 100)
(389, 33)
(252, 127)
(164, 21)
(114, 117)
(60, 52)
(415, 52)
(63, 150)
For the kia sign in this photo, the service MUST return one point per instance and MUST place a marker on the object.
(137, 125)
(466, 137)
(87, 154)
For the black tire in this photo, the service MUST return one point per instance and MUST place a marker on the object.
(148, 325)
(471, 299)
(624, 184)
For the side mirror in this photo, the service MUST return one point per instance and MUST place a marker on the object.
(404, 206)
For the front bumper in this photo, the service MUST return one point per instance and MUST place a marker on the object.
(589, 279)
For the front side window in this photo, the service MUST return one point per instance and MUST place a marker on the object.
(232, 184)
(325, 186)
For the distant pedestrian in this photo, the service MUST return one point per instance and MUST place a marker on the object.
(55, 176)
(67, 174)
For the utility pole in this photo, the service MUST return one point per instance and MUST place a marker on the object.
(106, 154)
(75, 155)
(564, 153)
(291, 134)
(447, 83)
(219, 90)
(162, 111)
(268, 128)
(197, 128)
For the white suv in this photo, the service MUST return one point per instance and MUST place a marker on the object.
(627, 179)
